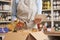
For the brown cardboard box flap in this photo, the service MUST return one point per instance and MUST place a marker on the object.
(39, 35)
(16, 36)
(25, 36)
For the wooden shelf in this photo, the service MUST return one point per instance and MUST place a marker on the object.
(46, 20)
(56, 20)
(57, 9)
(56, 33)
(5, 11)
(5, 21)
(46, 10)
(5, 1)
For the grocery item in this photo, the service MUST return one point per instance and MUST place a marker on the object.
(4, 30)
(48, 17)
(46, 4)
(40, 26)
(8, 18)
(58, 4)
(56, 27)
(0, 6)
(49, 29)
(11, 27)
(6, 7)
(19, 25)
(55, 4)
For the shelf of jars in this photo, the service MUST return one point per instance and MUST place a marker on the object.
(5, 11)
(51, 8)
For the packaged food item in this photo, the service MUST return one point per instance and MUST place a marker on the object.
(8, 18)
(11, 27)
(0, 16)
(6, 7)
(45, 28)
(49, 29)
(56, 27)
(52, 29)
(6, 29)
(46, 5)
(0, 6)
(58, 4)
(48, 17)
(55, 4)
(19, 25)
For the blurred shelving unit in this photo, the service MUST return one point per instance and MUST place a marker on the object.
(51, 8)
(5, 11)
(5, 14)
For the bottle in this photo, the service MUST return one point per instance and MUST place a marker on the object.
(56, 27)
(48, 5)
(55, 4)
(45, 3)
(48, 17)
(59, 27)
(8, 18)
(0, 6)
(44, 28)
(57, 15)
(6, 7)
(54, 15)
(58, 4)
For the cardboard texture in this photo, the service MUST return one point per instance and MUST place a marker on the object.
(30, 37)
(16, 36)
(26, 36)
(39, 35)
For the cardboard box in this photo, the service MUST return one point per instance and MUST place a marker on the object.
(27, 35)
(16, 36)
